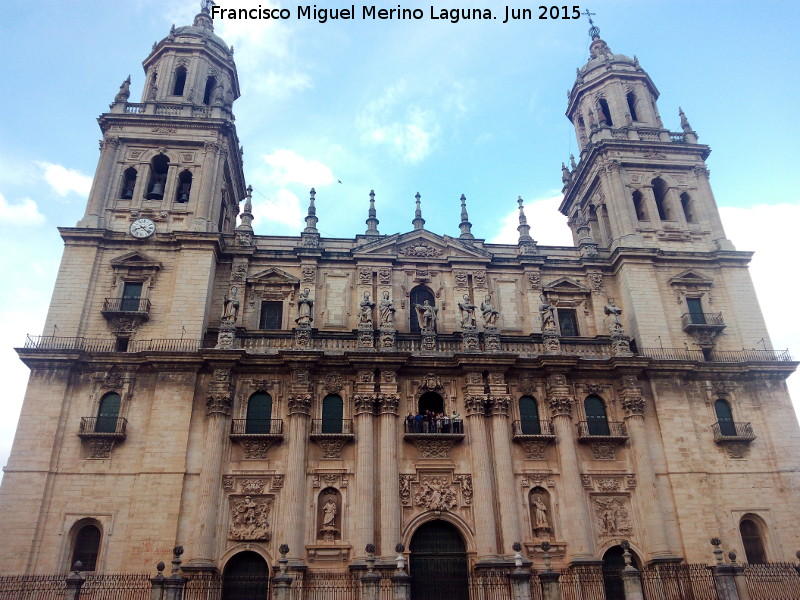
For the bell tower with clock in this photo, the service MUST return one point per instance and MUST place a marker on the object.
(173, 159)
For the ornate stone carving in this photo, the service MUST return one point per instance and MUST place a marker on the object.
(630, 481)
(479, 278)
(366, 336)
(301, 376)
(433, 446)
(249, 518)
(388, 376)
(469, 339)
(364, 404)
(387, 339)
(538, 480)
(300, 405)
(466, 487)
(100, 448)
(332, 383)
(595, 281)
(435, 492)
(476, 405)
(331, 448)
(256, 449)
(420, 249)
(431, 383)
(219, 398)
(366, 376)
(253, 486)
(633, 405)
(612, 516)
(560, 405)
(302, 336)
(385, 276)
(534, 450)
(608, 484)
(405, 489)
(586, 481)
(527, 384)
(603, 450)
(461, 278)
(736, 449)
(365, 276)
(277, 482)
(428, 340)
(500, 405)
(491, 339)
(534, 281)
(228, 483)
(389, 404)
(308, 273)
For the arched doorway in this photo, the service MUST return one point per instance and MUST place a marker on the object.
(438, 563)
(613, 563)
(430, 401)
(246, 577)
(418, 296)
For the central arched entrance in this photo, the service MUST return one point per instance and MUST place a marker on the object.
(438, 563)
(613, 563)
(246, 577)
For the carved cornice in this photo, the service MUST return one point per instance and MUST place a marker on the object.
(300, 405)
(475, 405)
(500, 405)
(364, 405)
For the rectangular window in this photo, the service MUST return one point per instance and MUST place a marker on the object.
(696, 311)
(568, 321)
(271, 315)
(131, 296)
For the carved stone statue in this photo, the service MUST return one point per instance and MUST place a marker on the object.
(386, 310)
(230, 307)
(467, 310)
(539, 514)
(489, 312)
(615, 311)
(304, 308)
(366, 306)
(547, 313)
(426, 315)
(249, 519)
(329, 513)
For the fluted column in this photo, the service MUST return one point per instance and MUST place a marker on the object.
(507, 492)
(574, 515)
(389, 474)
(293, 496)
(218, 412)
(624, 217)
(363, 513)
(98, 195)
(646, 490)
(486, 541)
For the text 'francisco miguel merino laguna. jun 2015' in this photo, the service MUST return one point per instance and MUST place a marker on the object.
(312, 12)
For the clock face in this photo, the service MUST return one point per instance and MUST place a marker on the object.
(142, 228)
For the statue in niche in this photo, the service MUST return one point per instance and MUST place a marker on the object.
(615, 311)
(304, 308)
(539, 513)
(467, 311)
(329, 511)
(386, 310)
(489, 312)
(327, 515)
(426, 315)
(547, 313)
(230, 307)
(366, 306)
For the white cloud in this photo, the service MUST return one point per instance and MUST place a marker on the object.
(288, 167)
(65, 181)
(548, 226)
(283, 208)
(25, 213)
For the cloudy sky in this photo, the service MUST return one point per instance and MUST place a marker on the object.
(475, 107)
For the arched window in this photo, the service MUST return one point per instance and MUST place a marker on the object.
(259, 413)
(108, 413)
(638, 206)
(688, 207)
(184, 186)
(419, 295)
(529, 416)
(606, 112)
(332, 414)
(128, 183)
(431, 401)
(752, 542)
(724, 417)
(631, 98)
(158, 177)
(660, 193)
(180, 81)
(211, 83)
(86, 546)
(596, 418)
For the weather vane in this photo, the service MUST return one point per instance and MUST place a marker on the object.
(594, 31)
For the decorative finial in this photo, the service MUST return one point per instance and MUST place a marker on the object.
(311, 218)
(418, 222)
(203, 18)
(246, 226)
(524, 229)
(572, 164)
(684, 121)
(594, 31)
(124, 91)
(465, 226)
(564, 174)
(372, 221)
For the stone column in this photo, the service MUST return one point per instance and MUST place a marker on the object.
(218, 412)
(633, 404)
(624, 218)
(574, 514)
(293, 497)
(363, 510)
(485, 526)
(705, 202)
(389, 470)
(95, 210)
(507, 493)
(73, 581)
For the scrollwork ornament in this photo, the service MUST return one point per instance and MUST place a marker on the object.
(633, 405)
(300, 405)
(364, 404)
(476, 405)
(560, 406)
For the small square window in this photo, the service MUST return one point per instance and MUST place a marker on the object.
(568, 322)
(271, 315)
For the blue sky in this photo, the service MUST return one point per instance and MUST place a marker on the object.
(399, 106)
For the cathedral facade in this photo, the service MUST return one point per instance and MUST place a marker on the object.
(233, 392)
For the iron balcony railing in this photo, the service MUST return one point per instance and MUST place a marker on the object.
(712, 320)
(332, 427)
(117, 305)
(103, 426)
(257, 427)
(51, 342)
(730, 431)
(732, 356)
(591, 430)
(531, 428)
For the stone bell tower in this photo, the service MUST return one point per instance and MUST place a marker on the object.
(637, 183)
(172, 162)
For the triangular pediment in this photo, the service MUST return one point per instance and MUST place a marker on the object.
(274, 276)
(135, 259)
(421, 245)
(690, 277)
(566, 285)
